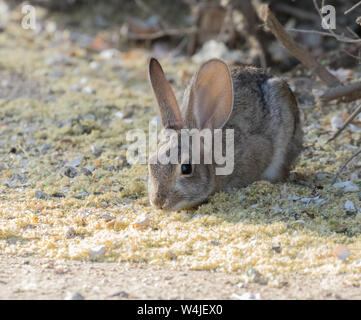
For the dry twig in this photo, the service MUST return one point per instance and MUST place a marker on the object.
(347, 122)
(352, 8)
(346, 93)
(338, 37)
(295, 49)
(344, 166)
(161, 34)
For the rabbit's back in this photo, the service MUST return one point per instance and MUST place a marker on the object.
(267, 130)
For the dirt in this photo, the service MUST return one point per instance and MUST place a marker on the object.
(61, 100)
(40, 278)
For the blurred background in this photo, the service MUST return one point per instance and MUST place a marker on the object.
(229, 29)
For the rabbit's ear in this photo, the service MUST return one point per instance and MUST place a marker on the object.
(211, 95)
(168, 106)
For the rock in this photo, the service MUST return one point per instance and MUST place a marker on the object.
(70, 233)
(85, 171)
(119, 114)
(90, 168)
(94, 65)
(89, 116)
(97, 251)
(83, 80)
(277, 249)
(59, 59)
(70, 172)
(81, 195)
(256, 276)
(40, 194)
(74, 87)
(197, 215)
(349, 206)
(74, 296)
(88, 90)
(96, 151)
(60, 269)
(142, 223)
(347, 186)
(109, 54)
(336, 122)
(58, 195)
(118, 293)
(108, 217)
(341, 252)
(316, 200)
(45, 148)
(293, 197)
(247, 296)
(75, 162)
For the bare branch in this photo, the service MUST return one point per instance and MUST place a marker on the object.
(160, 34)
(149, 10)
(295, 49)
(345, 165)
(347, 122)
(297, 12)
(338, 37)
(352, 8)
(346, 93)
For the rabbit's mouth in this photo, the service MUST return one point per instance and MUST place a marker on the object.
(182, 204)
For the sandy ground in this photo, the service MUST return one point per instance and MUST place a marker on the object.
(40, 278)
(44, 80)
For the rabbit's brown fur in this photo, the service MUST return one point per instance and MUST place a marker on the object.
(267, 132)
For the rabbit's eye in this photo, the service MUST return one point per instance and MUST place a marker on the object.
(186, 168)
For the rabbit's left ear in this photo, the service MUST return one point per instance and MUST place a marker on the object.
(211, 95)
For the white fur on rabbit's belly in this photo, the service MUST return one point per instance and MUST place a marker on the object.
(272, 173)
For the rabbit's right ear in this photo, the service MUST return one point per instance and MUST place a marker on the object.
(211, 96)
(168, 106)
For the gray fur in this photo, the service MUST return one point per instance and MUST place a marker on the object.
(268, 140)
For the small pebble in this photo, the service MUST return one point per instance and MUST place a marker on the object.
(88, 90)
(341, 252)
(83, 80)
(70, 233)
(75, 162)
(96, 151)
(58, 195)
(85, 171)
(119, 115)
(74, 296)
(97, 252)
(45, 148)
(142, 223)
(90, 168)
(94, 65)
(75, 87)
(108, 217)
(277, 249)
(347, 186)
(70, 172)
(247, 296)
(349, 206)
(40, 194)
(109, 54)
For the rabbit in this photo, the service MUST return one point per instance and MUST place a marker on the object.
(260, 108)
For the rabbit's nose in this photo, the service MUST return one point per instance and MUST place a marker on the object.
(158, 201)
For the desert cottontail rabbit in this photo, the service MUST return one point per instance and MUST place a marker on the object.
(260, 108)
